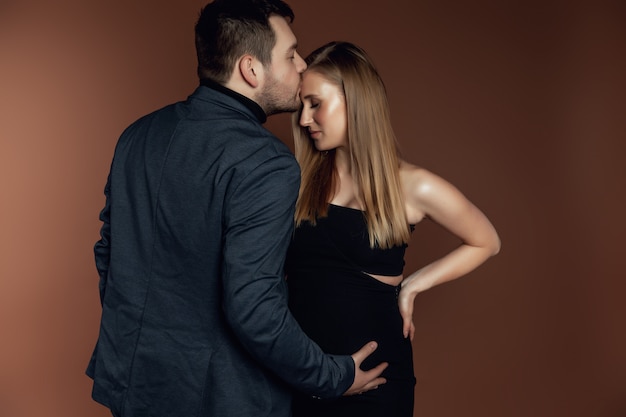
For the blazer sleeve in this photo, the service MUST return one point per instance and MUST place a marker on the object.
(258, 227)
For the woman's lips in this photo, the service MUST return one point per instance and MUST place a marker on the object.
(314, 134)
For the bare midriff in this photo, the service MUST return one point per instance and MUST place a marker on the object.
(389, 280)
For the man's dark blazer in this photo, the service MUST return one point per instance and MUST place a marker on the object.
(198, 216)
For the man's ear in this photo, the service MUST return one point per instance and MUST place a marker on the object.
(250, 70)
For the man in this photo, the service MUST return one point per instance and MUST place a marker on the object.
(198, 216)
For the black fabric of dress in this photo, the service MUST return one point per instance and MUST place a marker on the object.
(341, 308)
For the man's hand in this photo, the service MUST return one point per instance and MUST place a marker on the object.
(366, 380)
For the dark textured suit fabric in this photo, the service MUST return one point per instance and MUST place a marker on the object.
(198, 215)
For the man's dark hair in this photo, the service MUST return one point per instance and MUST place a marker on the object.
(229, 29)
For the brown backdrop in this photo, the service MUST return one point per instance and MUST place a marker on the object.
(517, 103)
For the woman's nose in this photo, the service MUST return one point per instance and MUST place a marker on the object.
(305, 118)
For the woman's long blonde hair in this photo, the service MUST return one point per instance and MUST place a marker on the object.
(374, 161)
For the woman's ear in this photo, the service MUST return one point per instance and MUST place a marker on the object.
(250, 70)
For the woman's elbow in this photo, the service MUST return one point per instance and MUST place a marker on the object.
(495, 245)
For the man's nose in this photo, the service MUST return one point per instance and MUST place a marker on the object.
(300, 64)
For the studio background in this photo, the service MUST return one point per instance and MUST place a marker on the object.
(519, 104)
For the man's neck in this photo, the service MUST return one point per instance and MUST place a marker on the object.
(248, 102)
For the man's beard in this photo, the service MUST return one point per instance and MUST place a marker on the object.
(276, 98)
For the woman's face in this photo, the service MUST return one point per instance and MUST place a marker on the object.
(323, 112)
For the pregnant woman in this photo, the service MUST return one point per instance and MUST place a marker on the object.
(358, 204)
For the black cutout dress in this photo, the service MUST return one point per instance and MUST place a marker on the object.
(341, 308)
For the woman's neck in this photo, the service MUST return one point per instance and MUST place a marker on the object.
(346, 191)
(342, 161)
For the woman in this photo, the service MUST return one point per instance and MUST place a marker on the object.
(357, 206)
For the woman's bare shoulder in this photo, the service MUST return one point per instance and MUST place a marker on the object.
(416, 179)
(424, 191)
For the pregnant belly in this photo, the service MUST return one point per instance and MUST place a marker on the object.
(341, 311)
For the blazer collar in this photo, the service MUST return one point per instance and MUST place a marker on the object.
(250, 104)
